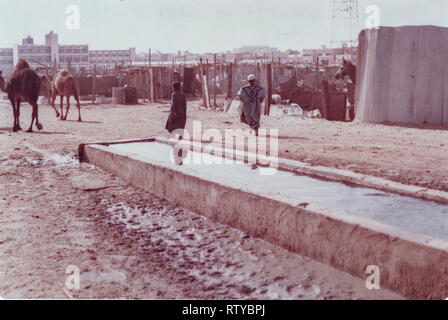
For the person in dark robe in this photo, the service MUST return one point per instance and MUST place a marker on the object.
(252, 96)
(178, 114)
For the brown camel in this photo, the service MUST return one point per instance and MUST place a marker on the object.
(22, 85)
(64, 84)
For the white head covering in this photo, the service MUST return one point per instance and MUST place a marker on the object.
(251, 77)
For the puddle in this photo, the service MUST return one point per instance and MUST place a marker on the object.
(111, 276)
(412, 214)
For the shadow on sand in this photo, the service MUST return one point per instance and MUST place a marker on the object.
(291, 138)
(47, 132)
(9, 130)
(438, 127)
(95, 122)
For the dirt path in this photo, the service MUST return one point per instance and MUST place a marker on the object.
(128, 243)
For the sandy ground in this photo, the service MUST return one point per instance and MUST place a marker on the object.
(129, 244)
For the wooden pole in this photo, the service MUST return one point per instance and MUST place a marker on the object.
(269, 89)
(152, 88)
(94, 83)
(229, 87)
(206, 85)
(161, 83)
(203, 86)
(316, 82)
(222, 73)
(229, 83)
(235, 71)
(151, 93)
(214, 80)
(142, 84)
(49, 93)
(206, 95)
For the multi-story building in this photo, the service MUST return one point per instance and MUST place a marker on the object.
(6, 60)
(28, 40)
(51, 53)
(35, 55)
(74, 57)
(104, 58)
(324, 55)
(327, 55)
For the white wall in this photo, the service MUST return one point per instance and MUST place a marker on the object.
(402, 75)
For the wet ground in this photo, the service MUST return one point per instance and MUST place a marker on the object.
(126, 242)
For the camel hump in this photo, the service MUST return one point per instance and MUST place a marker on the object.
(22, 64)
(63, 76)
(64, 82)
(64, 72)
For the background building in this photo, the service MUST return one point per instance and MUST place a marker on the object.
(329, 56)
(35, 55)
(51, 53)
(74, 57)
(6, 60)
(110, 58)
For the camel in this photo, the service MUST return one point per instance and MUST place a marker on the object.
(22, 85)
(64, 84)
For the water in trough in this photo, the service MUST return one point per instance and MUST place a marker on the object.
(408, 213)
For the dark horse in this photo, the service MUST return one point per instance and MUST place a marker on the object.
(348, 69)
(23, 84)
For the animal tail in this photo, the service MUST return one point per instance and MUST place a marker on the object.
(76, 90)
(46, 80)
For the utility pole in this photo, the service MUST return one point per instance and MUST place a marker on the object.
(214, 80)
(345, 24)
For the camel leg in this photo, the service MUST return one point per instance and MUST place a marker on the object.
(33, 116)
(38, 124)
(14, 113)
(79, 109)
(79, 112)
(18, 114)
(62, 110)
(68, 106)
(53, 99)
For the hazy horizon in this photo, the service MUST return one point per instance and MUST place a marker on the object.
(198, 26)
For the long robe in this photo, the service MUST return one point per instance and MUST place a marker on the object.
(178, 113)
(251, 96)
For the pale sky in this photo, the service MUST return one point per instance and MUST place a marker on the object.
(199, 25)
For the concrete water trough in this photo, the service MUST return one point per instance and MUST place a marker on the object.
(347, 220)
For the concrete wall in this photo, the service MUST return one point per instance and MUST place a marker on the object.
(104, 85)
(402, 75)
(414, 265)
